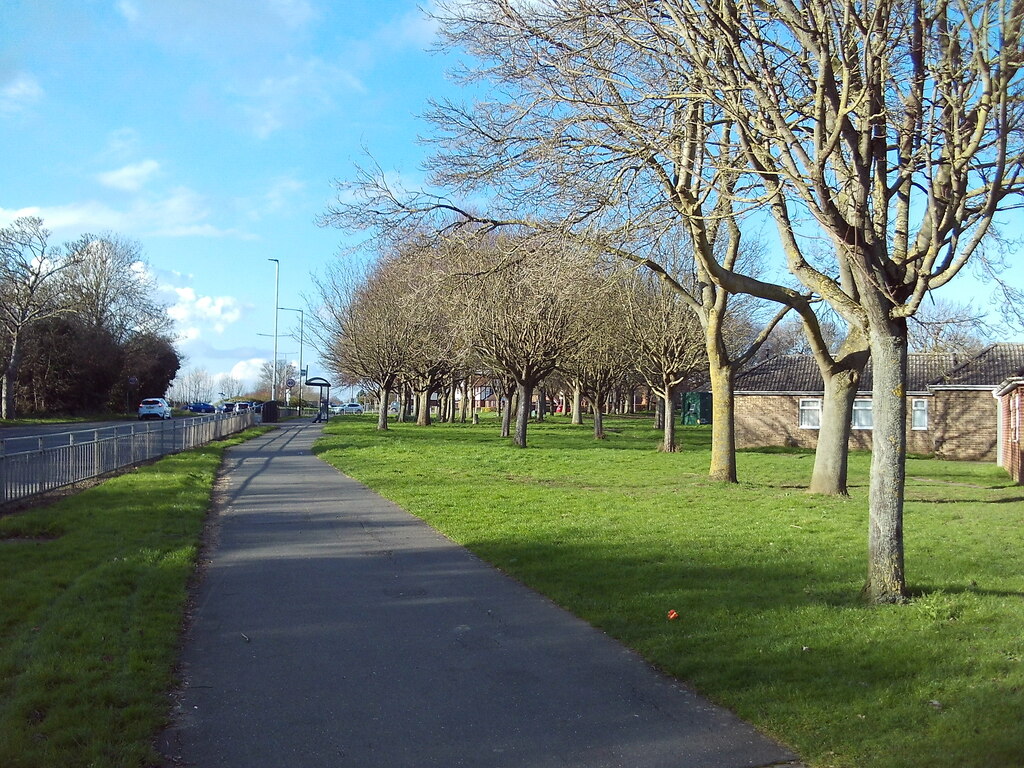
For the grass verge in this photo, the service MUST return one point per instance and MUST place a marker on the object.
(94, 589)
(765, 578)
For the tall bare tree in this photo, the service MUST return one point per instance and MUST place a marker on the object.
(270, 374)
(897, 125)
(32, 288)
(113, 288)
(229, 386)
(194, 385)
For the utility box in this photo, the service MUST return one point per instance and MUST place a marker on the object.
(696, 408)
(271, 412)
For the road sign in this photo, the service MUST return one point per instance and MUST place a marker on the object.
(290, 383)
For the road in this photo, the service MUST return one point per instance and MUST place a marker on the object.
(27, 438)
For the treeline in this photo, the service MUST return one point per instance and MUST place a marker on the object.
(82, 329)
(522, 317)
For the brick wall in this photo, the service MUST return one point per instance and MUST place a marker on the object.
(771, 420)
(1012, 454)
(763, 420)
(965, 425)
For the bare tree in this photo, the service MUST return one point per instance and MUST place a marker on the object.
(365, 333)
(945, 326)
(195, 385)
(518, 319)
(32, 288)
(897, 125)
(113, 288)
(229, 386)
(269, 374)
(667, 342)
(602, 359)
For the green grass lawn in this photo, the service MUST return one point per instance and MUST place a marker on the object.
(765, 578)
(91, 605)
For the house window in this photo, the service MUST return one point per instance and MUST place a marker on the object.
(1015, 417)
(919, 414)
(810, 413)
(862, 414)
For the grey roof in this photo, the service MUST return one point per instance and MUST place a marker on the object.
(781, 373)
(991, 366)
(799, 373)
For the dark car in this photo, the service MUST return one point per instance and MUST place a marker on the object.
(202, 408)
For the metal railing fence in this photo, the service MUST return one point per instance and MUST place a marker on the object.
(64, 458)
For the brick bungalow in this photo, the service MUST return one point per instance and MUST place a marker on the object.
(951, 408)
(1010, 397)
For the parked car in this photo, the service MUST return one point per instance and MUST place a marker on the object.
(351, 408)
(243, 406)
(154, 408)
(227, 408)
(201, 408)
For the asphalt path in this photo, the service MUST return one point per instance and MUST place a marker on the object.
(332, 628)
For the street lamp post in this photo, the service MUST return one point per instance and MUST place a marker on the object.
(302, 371)
(277, 293)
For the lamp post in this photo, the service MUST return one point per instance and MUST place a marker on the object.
(277, 292)
(302, 371)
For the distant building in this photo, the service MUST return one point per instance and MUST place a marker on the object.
(958, 407)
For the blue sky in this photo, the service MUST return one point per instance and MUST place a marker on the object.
(210, 132)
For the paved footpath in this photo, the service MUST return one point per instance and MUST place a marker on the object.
(334, 629)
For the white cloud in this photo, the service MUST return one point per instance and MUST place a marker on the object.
(248, 370)
(414, 28)
(19, 93)
(302, 88)
(130, 178)
(191, 309)
(185, 335)
(128, 9)
(122, 144)
(294, 13)
(179, 212)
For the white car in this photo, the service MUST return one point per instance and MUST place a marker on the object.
(351, 408)
(154, 408)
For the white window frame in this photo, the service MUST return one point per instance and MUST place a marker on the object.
(1015, 403)
(919, 405)
(807, 406)
(861, 401)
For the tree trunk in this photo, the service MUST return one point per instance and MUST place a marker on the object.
(525, 398)
(577, 404)
(464, 405)
(833, 450)
(385, 403)
(10, 378)
(668, 445)
(423, 408)
(723, 427)
(506, 416)
(599, 406)
(659, 413)
(886, 577)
